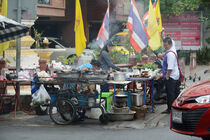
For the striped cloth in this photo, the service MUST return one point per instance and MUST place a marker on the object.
(137, 33)
(103, 33)
(10, 30)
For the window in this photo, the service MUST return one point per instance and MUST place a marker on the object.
(44, 2)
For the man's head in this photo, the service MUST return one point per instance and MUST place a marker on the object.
(167, 42)
(95, 64)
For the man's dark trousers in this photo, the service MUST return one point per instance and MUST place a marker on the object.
(172, 90)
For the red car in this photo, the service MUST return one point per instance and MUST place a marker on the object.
(190, 113)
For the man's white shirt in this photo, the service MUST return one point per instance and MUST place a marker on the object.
(172, 63)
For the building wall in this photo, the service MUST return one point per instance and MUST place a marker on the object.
(56, 8)
(93, 11)
(68, 34)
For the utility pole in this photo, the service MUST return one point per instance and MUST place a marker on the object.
(18, 40)
(18, 47)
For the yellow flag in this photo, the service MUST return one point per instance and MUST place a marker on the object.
(158, 16)
(4, 45)
(80, 39)
(152, 29)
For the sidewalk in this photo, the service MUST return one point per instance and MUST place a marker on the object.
(151, 120)
(22, 119)
(199, 72)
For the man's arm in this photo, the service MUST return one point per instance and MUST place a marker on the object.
(108, 60)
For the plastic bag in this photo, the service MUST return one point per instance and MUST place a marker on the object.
(34, 88)
(41, 96)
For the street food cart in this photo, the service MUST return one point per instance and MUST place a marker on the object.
(70, 104)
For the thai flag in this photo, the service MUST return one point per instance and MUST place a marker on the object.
(137, 33)
(103, 33)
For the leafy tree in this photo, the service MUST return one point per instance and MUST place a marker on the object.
(177, 7)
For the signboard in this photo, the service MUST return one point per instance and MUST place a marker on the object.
(184, 30)
(28, 9)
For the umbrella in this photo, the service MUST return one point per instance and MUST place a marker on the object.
(10, 29)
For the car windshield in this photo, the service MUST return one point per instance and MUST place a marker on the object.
(65, 44)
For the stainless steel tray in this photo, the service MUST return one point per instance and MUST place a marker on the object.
(95, 75)
(121, 116)
(71, 74)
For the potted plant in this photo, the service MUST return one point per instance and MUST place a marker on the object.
(37, 38)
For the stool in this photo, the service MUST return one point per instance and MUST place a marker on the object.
(108, 99)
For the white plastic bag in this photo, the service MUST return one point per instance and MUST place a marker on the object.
(41, 96)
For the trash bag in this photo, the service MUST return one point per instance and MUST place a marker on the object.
(41, 96)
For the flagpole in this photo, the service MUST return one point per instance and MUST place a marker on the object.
(109, 17)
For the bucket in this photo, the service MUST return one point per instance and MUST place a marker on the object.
(137, 99)
(96, 112)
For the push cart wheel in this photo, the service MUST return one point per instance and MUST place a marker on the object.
(41, 110)
(62, 112)
(104, 119)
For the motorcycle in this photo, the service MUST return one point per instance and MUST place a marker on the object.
(159, 91)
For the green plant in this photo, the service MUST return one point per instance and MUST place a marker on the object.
(203, 55)
(97, 53)
(119, 57)
(149, 66)
(37, 35)
(126, 43)
(37, 38)
(67, 61)
(177, 7)
(208, 40)
(8, 61)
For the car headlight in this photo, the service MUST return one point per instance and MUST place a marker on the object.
(203, 99)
